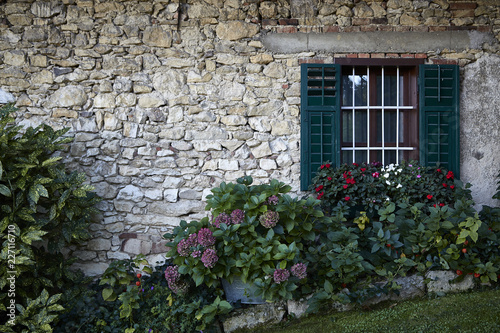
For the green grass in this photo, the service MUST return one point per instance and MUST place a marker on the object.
(468, 312)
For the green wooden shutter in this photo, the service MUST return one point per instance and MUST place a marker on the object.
(439, 116)
(320, 118)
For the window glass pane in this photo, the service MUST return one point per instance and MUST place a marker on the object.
(360, 83)
(390, 126)
(346, 90)
(361, 126)
(347, 126)
(347, 156)
(389, 89)
(389, 157)
(361, 156)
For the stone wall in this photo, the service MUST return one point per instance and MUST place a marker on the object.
(167, 99)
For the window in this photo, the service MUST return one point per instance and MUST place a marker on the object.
(389, 111)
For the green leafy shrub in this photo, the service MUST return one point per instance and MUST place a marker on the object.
(394, 221)
(368, 186)
(153, 306)
(43, 209)
(257, 233)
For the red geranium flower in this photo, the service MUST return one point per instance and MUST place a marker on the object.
(450, 175)
(452, 186)
(363, 169)
(346, 186)
(319, 188)
(441, 204)
(355, 164)
(375, 174)
(438, 170)
(328, 165)
(322, 166)
(347, 198)
(476, 275)
(329, 178)
(444, 185)
(429, 196)
(459, 272)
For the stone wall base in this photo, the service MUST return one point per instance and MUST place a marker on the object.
(411, 286)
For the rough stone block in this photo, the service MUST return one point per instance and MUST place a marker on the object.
(254, 316)
(441, 282)
(99, 244)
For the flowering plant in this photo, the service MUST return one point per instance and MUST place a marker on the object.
(373, 186)
(256, 232)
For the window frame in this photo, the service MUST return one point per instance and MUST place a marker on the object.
(438, 108)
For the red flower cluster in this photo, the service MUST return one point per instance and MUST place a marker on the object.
(350, 181)
(429, 196)
(320, 195)
(450, 175)
(375, 174)
(319, 188)
(326, 166)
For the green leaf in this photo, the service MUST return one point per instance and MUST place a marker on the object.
(51, 161)
(283, 264)
(328, 287)
(4, 190)
(108, 294)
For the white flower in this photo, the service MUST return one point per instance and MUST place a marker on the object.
(386, 175)
(399, 170)
(399, 186)
(388, 182)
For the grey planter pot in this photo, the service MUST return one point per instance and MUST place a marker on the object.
(239, 291)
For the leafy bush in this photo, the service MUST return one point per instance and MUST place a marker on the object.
(141, 303)
(43, 209)
(369, 186)
(387, 230)
(257, 233)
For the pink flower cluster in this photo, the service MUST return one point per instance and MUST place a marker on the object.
(299, 270)
(173, 280)
(273, 200)
(281, 275)
(269, 219)
(205, 237)
(237, 216)
(209, 258)
(221, 218)
(184, 246)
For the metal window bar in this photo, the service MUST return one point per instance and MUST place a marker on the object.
(397, 114)
(383, 115)
(353, 114)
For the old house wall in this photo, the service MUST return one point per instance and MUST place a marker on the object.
(167, 99)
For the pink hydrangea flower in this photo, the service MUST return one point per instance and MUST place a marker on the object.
(209, 258)
(281, 275)
(269, 219)
(299, 270)
(205, 237)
